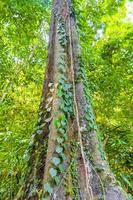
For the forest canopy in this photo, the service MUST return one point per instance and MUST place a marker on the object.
(105, 31)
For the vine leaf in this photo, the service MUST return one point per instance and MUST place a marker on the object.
(63, 156)
(62, 106)
(59, 93)
(61, 168)
(59, 149)
(53, 172)
(61, 130)
(60, 140)
(57, 123)
(48, 188)
(56, 161)
(61, 81)
(49, 109)
(57, 180)
(63, 123)
(66, 87)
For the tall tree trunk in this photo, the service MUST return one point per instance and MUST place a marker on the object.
(64, 157)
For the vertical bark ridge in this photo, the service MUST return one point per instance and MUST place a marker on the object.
(83, 170)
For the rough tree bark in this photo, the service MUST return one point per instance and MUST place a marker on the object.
(65, 161)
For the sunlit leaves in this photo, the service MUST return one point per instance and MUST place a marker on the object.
(23, 53)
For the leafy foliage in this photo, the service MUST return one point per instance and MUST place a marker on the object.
(106, 46)
(23, 50)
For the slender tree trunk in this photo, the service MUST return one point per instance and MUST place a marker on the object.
(64, 157)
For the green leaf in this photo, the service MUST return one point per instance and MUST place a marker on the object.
(62, 106)
(91, 125)
(56, 123)
(61, 81)
(61, 168)
(56, 161)
(60, 140)
(67, 103)
(63, 122)
(61, 130)
(57, 180)
(87, 117)
(62, 69)
(53, 172)
(59, 93)
(65, 109)
(65, 137)
(48, 188)
(49, 109)
(66, 87)
(63, 156)
(59, 149)
(62, 63)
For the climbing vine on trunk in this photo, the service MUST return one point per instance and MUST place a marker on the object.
(65, 161)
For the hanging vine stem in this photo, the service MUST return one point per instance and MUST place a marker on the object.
(64, 176)
(88, 186)
(53, 196)
(104, 197)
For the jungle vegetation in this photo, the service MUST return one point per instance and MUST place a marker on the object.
(105, 34)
